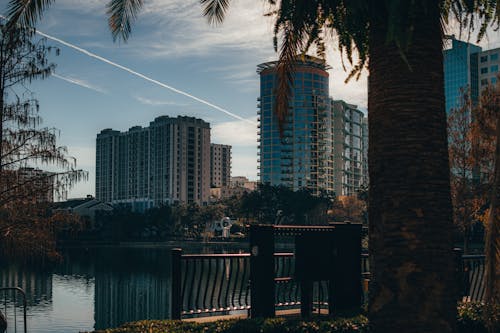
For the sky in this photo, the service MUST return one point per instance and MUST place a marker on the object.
(102, 84)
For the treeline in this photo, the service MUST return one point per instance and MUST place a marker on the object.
(267, 205)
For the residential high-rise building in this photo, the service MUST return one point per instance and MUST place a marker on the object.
(167, 162)
(220, 165)
(351, 147)
(302, 156)
(365, 151)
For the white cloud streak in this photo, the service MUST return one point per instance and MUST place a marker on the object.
(131, 71)
(154, 102)
(235, 133)
(79, 82)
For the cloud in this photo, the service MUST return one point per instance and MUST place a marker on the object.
(80, 82)
(235, 133)
(140, 75)
(154, 102)
(178, 28)
(244, 165)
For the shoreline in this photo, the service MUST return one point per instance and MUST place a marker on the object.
(147, 244)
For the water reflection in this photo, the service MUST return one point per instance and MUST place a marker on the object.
(131, 285)
(98, 288)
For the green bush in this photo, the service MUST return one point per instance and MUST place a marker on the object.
(471, 318)
(357, 324)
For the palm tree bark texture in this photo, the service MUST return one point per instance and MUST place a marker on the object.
(410, 214)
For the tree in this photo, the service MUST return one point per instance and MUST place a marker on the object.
(410, 210)
(349, 208)
(24, 190)
(279, 204)
(488, 126)
(466, 162)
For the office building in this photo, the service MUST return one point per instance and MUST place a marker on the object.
(467, 67)
(167, 162)
(220, 165)
(302, 157)
(488, 65)
(460, 72)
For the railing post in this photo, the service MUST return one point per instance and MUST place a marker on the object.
(461, 284)
(176, 291)
(262, 271)
(345, 290)
(306, 298)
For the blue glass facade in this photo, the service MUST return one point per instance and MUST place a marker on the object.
(302, 156)
(460, 71)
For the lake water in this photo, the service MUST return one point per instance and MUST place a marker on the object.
(99, 288)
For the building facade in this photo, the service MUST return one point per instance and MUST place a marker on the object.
(167, 162)
(351, 148)
(37, 184)
(488, 65)
(467, 67)
(302, 157)
(220, 165)
(460, 71)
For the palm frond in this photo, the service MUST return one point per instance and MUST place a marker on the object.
(121, 16)
(26, 12)
(215, 10)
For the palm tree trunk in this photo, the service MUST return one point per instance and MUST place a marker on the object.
(492, 292)
(410, 214)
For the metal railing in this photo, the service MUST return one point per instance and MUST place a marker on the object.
(473, 269)
(208, 284)
(12, 304)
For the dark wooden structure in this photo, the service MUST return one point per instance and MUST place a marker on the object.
(322, 253)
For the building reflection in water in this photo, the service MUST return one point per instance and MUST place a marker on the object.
(131, 284)
(36, 283)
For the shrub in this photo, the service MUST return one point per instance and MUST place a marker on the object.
(471, 318)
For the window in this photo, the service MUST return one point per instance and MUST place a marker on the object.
(484, 70)
(494, 69)
(484, 58)
(494, 57)
(484, 82)
(493, 80)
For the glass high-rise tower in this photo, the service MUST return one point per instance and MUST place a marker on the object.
(460, 72)
(302, 158)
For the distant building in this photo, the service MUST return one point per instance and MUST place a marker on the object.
(301, 157)
(241, 181)
(365, 151)
(37, 184)
(220, 165)
(351, 148)
(87, 208)
(323, 146)
(167, 162)
(467, 66)
(488, 67)
(460, 71)
(239, 185)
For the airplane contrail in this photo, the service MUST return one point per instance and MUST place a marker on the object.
(78, 83)
(109, 62)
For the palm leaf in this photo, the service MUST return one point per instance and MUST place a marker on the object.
(26, 12)
(215, 10)
(121, 16)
